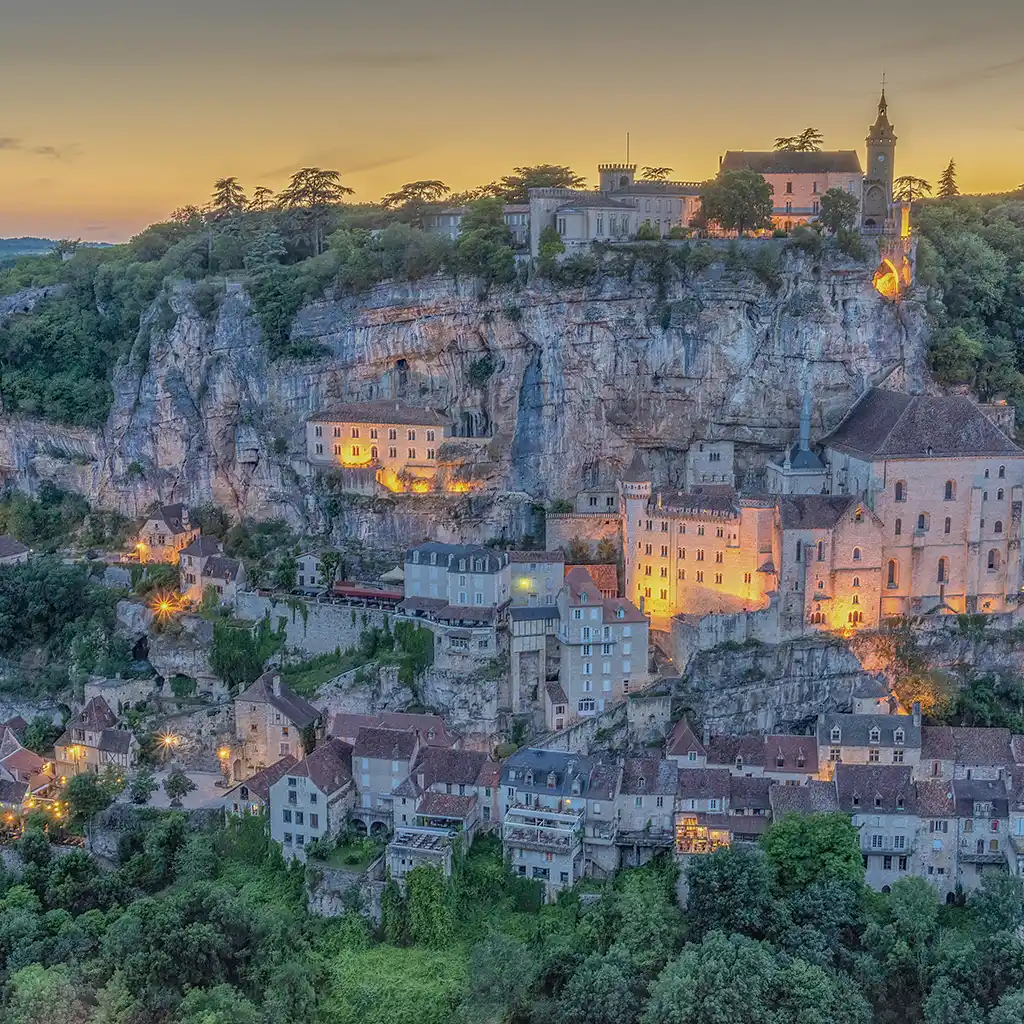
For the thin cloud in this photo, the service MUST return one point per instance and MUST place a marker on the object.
(8, 143)
(11, 144)
(963, 79)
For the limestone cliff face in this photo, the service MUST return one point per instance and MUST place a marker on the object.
(581, 377)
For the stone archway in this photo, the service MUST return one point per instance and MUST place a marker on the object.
(378, 828)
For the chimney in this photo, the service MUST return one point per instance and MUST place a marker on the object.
(705, 735)
(916, 712)
(277, 686)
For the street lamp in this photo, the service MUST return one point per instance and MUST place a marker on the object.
(224, 754)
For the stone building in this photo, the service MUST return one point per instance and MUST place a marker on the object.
(603, 646)
(381, 760)
(164, 534)
(92, 741)
(947, 486)
(798, 470)
(203, 565)
(710, 462)
(875, 739)
(253, 795)
(313, 799)
(397, 443)
(271, 721)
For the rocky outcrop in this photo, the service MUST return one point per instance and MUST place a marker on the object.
(579, 378)
(26, 300)
(757, 687)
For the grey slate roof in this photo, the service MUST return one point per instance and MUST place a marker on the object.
(840, 161)
(379, 412)
(655, 775)
(856, 730)
(202, 547)
(875, 789)
(935, 799)
(450, 555)
(297, 709)
(967, 792)
(797, 754)
(328, 767)
(564, 767)
(702, 783)
(604, 781)
(174, 516)
(595, 200)
(637, 471)
(220, 568)
(117, 741)
(385, 744)
(538, 612)
(556, 694)
(813, 511)
(889, 425)
(260, 783)
(12, 792)
(551, 557)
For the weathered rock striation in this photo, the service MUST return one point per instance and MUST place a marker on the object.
(581, 377)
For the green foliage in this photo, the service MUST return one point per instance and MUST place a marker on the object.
(480, 371)
(484, 246)
(810, 848)
(178, 785)
(515, 187)
(561, 506)
(240, 649)
(182, 686)
(142, 786)
(86, 797)
(738, 200)
(41, 734)
(647, 232)
(839, 210)
(285, 573)
(52, 519)
(428, 898)
(549, 247)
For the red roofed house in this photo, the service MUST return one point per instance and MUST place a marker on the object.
(92, 741)
(605, 577)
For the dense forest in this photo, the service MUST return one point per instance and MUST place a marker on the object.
(210, 927)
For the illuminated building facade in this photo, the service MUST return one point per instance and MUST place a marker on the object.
(164, 535)
(92, 741)
(397, 443)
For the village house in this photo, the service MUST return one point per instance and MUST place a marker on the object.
(684, 747)
(543, 811)
(309, 572)
(875, 739)
(312, 800)
(432, 729)
(710, 462)
(983, 829)
(23, 770)
(164, 535)
(382, 760)
(603, 647)
(604, 574)
(253, 795)
(397, 443)
(92, 741)
(271, 721)
(203, 565)
(703, 822)
(536, 579)
(12, 552)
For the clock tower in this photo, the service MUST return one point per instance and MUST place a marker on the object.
(880, 173)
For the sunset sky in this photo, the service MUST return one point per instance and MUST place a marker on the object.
(117, 111)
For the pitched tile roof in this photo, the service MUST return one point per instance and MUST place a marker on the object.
(95, 715)
(875, 789)
(260, 783)
(605, 576)
(622, 610)
(797, 753)
(10, 548)
(174, 516)
(203, 547)
(839, 161)
(440, 764)
(886, 424)
(856, 730)
(967, 792)
(379, 413)
(749, 792)
(385, 744)
(219, 568)
(446, 805)
(937, 743)
(596, 200)
(270, 689)
(655, 775)
(637, 472)
(12, 792)
(551, 557)
(565, 768)
(451, 555)
(724, 750)
(982, 747)
(701, 783)
(432, 728)
(490, 775)
(328, 767)
(935, 799)
(116, 741)
(682, 739)
(556, 694)
(810, 798)
(582, 588)
(605, 780)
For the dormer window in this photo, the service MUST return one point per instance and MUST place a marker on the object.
(620, 613)
(878, 800)
(800, 761)
(576, 787)
(529, 778)
(416, 558)
(739, 764)
(462, 565)
(899, 736)
(780, 762)
(552, 780)
(691, 755)
(837, 734)
(899, 803)
(875, 735)
(641, 782)
(583, 598)
(856, 800)
(433, 558)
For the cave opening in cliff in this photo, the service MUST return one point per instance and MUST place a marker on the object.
(887, 280)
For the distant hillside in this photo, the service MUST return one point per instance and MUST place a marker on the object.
(24, 246)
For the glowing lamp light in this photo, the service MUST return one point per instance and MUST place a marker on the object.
(224, 753)
(420, 486)
(169, 740)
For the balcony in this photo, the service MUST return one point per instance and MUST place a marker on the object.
(542, 830)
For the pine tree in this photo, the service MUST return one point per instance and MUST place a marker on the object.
(947, 183)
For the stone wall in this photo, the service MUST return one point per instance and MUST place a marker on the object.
(118, 693)
(691, 634)
(310, 627)
(330, 892)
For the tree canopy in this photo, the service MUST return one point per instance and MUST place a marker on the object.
(738, 200)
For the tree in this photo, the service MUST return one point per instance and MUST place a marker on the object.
(178, 785)
(808, 141)
(142, 786)
(738, 200)
(394, 914)
(656, 173)
(86, 797)
(413, 199)
(515, 187)
(43, 995)
(240, 652)
(327, 567)
(311, 192)
(647, 232)
(813, 847)
(484, 247)
(550, 245)
(907, 188)
(428, 898)
(1009, 1009)
(607, 552)
(578, 550)
(731, 891)
(839, 210)
(114, 779)
(228, 198)
(998, 903)
(40, 734)
(286, 573)
(605, 989)
(948, 188)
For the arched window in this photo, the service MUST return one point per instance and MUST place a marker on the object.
(373, 452)
(1000, 494)
(821, 584)
(947, 525)
(942, 576)
(856, 581)
(986, 474)
(821, 551)
(856, 599)
(993, 559)
(922, 521)
(1002, 472)
(901, 491)
(856, 554)
(899, 527)
(950, 490)
(999, 526)
(892, 574)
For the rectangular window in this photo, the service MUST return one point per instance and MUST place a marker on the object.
(876, 840)
(286, 816)
(887, 863)
(314, 821)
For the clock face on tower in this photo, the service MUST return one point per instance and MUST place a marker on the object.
(881, 158)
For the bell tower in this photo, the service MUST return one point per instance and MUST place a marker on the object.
(880, 173)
